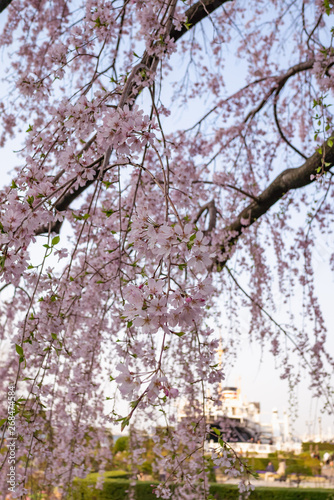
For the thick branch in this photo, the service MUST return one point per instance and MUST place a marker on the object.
(195, 14)
(292, 178)
(4, 4)
(65, 201)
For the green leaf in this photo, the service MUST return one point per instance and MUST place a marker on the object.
(327, 7)
(216, 431)
(29, 129)
(2, 261)
(125, 422)
(108, 212)
(221, 442)
(179, 334)
(19, 350)
(2, 421)
(55, 240)
(54, 336)
(330, 142)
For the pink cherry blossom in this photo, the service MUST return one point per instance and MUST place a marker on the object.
(159, 187)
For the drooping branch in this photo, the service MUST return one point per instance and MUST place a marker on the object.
(194, 15)
(280, 131)
(308, 362)
(288, 180)
(279, 84)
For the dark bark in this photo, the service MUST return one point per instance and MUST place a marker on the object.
(63, 205)
(195, 14)
(289, 179)
(4, 4)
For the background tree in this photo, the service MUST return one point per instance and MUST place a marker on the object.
(170, 151)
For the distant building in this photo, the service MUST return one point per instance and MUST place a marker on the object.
(241, 426)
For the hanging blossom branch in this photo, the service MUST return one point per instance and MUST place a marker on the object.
(326, 393)
(194, 15)
(134, 293)
(279, 82)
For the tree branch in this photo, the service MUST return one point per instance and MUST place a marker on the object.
(211, 208)
(280, 82)
(289, 179)
(65, 201)
(4, 4)
(194, 14)
(281, 131)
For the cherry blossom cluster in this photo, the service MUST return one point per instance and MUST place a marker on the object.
(126, 130)
(127, 233)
